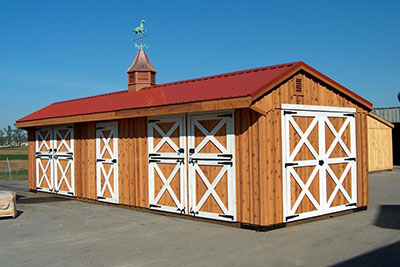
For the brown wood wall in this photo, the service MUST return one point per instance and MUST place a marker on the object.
(258, 149)
(85, 160)
(133, 162)
(380, 153)
(31, 159)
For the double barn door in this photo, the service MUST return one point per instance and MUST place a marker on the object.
(55, 159)
(191, 165)
(319, 160)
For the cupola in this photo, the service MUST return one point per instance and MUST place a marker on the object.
(141, 73)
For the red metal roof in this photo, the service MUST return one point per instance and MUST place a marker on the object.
(229, 85)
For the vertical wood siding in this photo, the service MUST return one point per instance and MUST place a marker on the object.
(133, 162)
(259, 149)
(380, 153)
(31, 159)
(85, 160)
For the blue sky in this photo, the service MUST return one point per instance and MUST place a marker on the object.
(59, 50)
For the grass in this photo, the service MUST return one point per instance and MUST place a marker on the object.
(18, 159)
(13, 157)
(15, 175)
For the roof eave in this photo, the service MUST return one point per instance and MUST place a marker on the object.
(200, 106)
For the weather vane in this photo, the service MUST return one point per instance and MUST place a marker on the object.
(140, 33)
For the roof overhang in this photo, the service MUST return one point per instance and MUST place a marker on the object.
(222, 104)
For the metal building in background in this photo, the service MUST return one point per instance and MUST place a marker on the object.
(391, 114)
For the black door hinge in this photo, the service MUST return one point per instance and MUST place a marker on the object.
(154, 206)
(350, 159)
(226, 216)
(287, 112)
(292, 216)
(226, 163)
(150, 121)
(225, 115)
(349, 115)
(290, 164)
(351, 204)
(101, 198)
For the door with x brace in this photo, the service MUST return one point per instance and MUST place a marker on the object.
(211, 166)
(167, 163)
(44, 159)
(63, 154)
(106, 162)
(319, 160)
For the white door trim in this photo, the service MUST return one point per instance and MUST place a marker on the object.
(178, 157)
(114, 191)
(196, 159)
(321, 116)
(58, 156)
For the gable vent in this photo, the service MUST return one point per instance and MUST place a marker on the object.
(299, 85)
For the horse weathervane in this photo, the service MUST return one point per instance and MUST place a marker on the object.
(140, 33)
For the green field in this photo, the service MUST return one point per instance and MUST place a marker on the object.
(18, 161)
(14, 157)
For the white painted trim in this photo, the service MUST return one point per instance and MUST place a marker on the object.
(194, 206)
(181, 203)
(58, 155)
(322, 117)
(317, 108)
(113, 127)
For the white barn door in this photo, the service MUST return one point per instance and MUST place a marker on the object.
(106, 162)
(211, 166)
(167, 163)
(64, 180)
(319, 160)
(44, 159)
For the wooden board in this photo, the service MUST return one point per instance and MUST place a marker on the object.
(380, 151)
(85, 160)
(31, 159)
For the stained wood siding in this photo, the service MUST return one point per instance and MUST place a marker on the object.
(259, 148)
(31, 159)
(380, 153)
(133, 162)
(85, 160)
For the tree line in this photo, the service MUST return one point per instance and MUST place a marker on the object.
(12, 136)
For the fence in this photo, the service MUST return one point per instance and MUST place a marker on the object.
(13, 169)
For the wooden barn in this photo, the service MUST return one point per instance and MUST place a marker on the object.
(260, 147)
(380, 151)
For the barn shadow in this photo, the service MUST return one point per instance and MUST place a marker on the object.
(33, 200)
(385, 256)
(388, 217)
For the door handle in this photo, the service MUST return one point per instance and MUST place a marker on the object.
(321, 162)
(181, 150)
(114, 161)
(191, 151)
